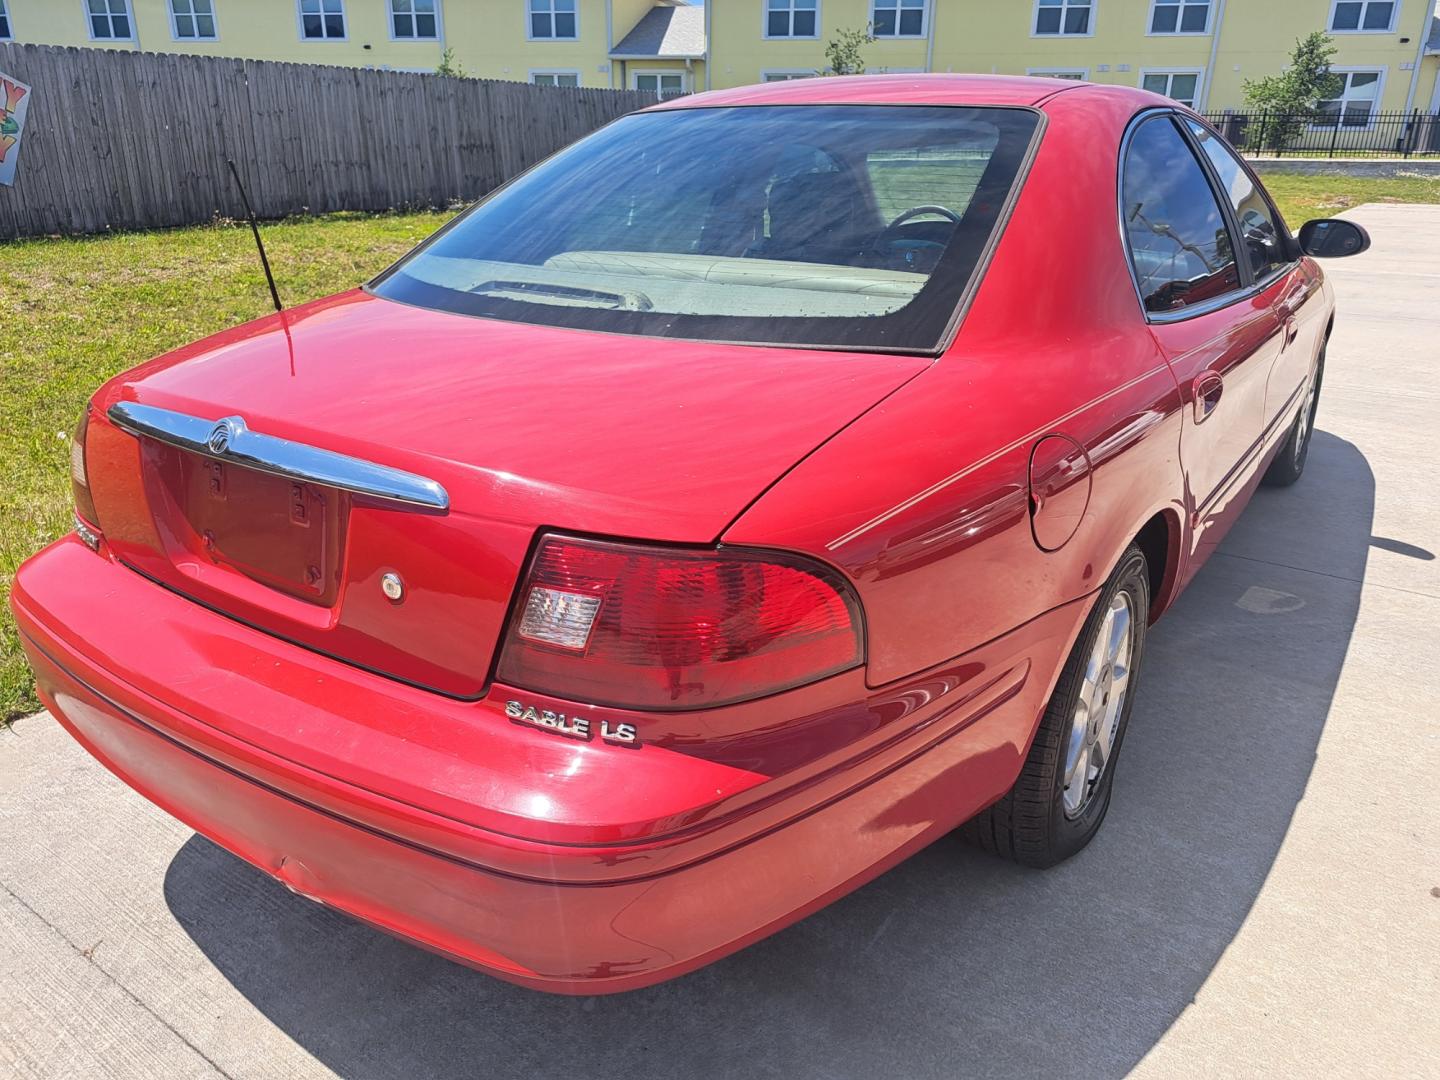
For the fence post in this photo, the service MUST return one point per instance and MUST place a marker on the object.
(1334, 136)
(1410, 129)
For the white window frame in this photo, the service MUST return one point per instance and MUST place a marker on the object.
(635, 74)
(1362, 69)
(9, 34)
(530, 24)
(789, 74)
(1198, 72)
(390, 25)
(1065, 6)
(1058, 72)
(1150, 30)
(579, 78)
(765, 24)
(925, 16)
(90, 27)
(175, 22)
(300, 26)
(1394, 22)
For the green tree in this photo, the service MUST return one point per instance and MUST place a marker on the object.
(844, 54)
(1292, 98)
(449, 65)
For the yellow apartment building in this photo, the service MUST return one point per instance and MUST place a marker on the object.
(646, 44)
(1197, 51)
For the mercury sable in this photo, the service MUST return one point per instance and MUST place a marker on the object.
(762, 487)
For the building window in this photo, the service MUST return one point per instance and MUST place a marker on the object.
(322, 20)
(1072, 74)
(1181, 86)
(193, 20)
(555, 78)
(5, 34)
(109, 19)
(1072, 17)
(1180, 17)
(785, 76)
(898, 18)
(792, 18)
(553, 20)
(413, 20)
(1363, 16)
(663, 84)
(1359, 94)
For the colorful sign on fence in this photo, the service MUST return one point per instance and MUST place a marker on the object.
(14, 104)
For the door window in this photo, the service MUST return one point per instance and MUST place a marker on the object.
(1179, 242)
(1260, 226)
(662, 85)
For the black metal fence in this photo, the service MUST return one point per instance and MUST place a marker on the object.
(1349, 132)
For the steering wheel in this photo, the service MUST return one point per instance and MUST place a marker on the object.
(919, 211)
(887, 242)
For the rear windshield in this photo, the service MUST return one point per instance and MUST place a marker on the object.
(853, 226)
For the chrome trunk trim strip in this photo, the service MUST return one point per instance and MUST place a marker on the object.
(228, 439)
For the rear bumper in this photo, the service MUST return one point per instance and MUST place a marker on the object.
(569, 918)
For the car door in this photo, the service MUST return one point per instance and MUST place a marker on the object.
(1218, 335)
(1291, 293)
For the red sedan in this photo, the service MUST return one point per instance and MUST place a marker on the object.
(757, 490)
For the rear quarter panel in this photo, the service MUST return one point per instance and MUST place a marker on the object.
(924, 501)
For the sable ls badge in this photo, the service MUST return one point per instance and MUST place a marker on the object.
(572, 727)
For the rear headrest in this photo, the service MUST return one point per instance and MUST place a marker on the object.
(814, 208)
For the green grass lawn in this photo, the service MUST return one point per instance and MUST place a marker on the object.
(78, 311)
(1303, 197)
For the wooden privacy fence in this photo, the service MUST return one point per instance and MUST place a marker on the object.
(139, 140)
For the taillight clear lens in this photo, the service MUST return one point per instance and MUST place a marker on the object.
(86, 520)
(640, 627)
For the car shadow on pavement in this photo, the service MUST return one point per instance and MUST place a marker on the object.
(953, 963)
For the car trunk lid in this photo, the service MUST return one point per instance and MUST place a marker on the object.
(509, 428)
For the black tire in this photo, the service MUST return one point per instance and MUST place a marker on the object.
(1289, 463)
(1029, 824)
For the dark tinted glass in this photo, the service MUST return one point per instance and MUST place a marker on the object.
(1178, 239)
(1378, 15)
(1347, 15)
(1261, 229)
(1165, 19)
(1196, 16)
(806, 225)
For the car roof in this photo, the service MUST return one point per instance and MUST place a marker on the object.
(1012, 90)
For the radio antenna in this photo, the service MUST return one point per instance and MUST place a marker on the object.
(255, 229)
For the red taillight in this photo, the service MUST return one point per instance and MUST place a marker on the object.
(643, 627)
(86, 520)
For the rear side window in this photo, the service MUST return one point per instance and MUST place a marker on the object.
(1261, 229)
(1180, 245)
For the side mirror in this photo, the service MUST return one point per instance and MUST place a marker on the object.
(1333, 238)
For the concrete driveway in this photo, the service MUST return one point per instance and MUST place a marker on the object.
(1265, 897)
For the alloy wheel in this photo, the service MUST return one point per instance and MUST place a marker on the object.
(1101, 704)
